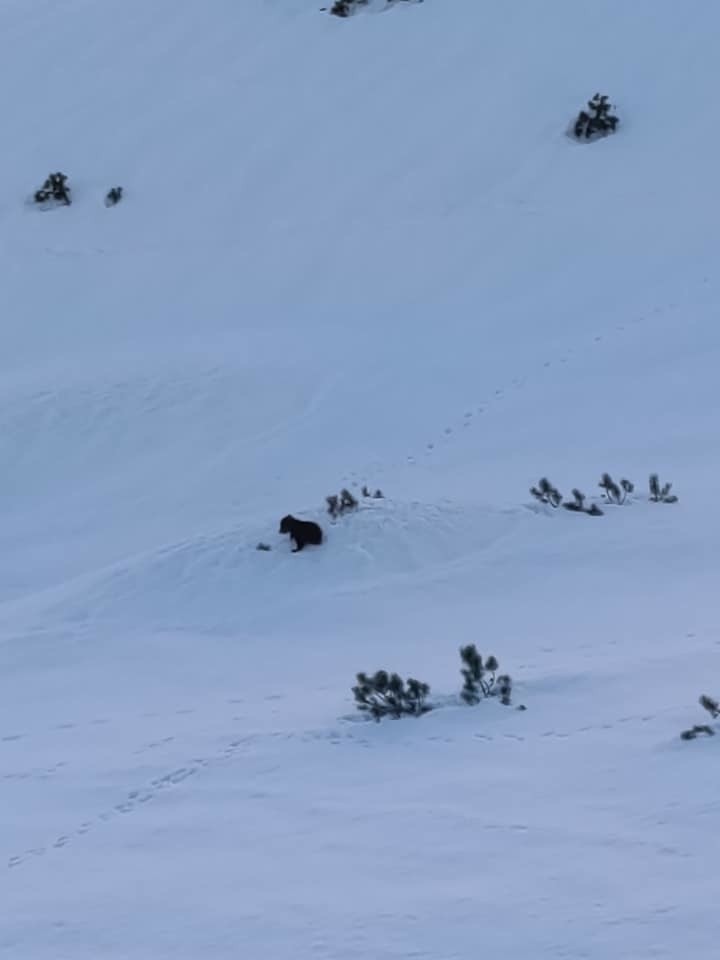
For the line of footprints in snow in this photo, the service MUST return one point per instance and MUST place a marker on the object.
(468, 418)
(135, 799)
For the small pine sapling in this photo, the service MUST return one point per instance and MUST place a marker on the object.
(415, 695)
(577, 505)
(504, 689)
(479, 679)
(55, 188)
(613, 492)
(713, 708)
(113, 196)
(696, 730)
(343, 8)
(386, 695)
(347, 501)
(628, 487)
(596, 120)
(545, 492)
(339, 504)
(610, 488)
(472, 672)
(660, 494)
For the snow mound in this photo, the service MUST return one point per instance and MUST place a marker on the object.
(221, 581)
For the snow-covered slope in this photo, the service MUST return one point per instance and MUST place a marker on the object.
(355, 251)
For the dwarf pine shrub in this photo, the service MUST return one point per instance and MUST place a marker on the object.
(386, 695)
(545, 492)
(596, 121)
(577, 505)
(338, 504)
(613, 492)
(713, 708)
(480, 680)
(55, 188)
(660, 493)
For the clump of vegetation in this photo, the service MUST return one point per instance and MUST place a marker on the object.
(339, 504)
(545, 492)
(696, 730)
(660, 493)
(577, 505)
(613, 492)
(596, 121)
(713, 708)
(55, 188)
(387, 695)
(113, 196)
(378, 495)
(480, 680)
(344, 8)
(263, 546)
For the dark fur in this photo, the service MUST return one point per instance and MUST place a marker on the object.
(301, 531)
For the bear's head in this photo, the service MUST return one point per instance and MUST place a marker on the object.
(287, 523)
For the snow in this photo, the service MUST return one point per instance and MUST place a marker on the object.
(355, 251)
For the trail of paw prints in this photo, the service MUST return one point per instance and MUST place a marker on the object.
(35, 773)
(568, 734)
(132, 801)
(136, 799)
(474, 413)
(599, 727)
(74, 726)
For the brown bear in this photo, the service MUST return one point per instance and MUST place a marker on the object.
(301, 531)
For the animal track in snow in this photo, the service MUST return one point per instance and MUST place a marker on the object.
(134, 799)
(519, 383)
(36, 773)
(67, 726)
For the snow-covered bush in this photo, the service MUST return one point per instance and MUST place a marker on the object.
(577, 505)
(713, 708)
(345, 8)
(339, 504)
(113, 196)
(660, 494)
(613, 492)
(387, 695)
(596, 121)
(545, 492)
(55, 188)
(479, 679)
